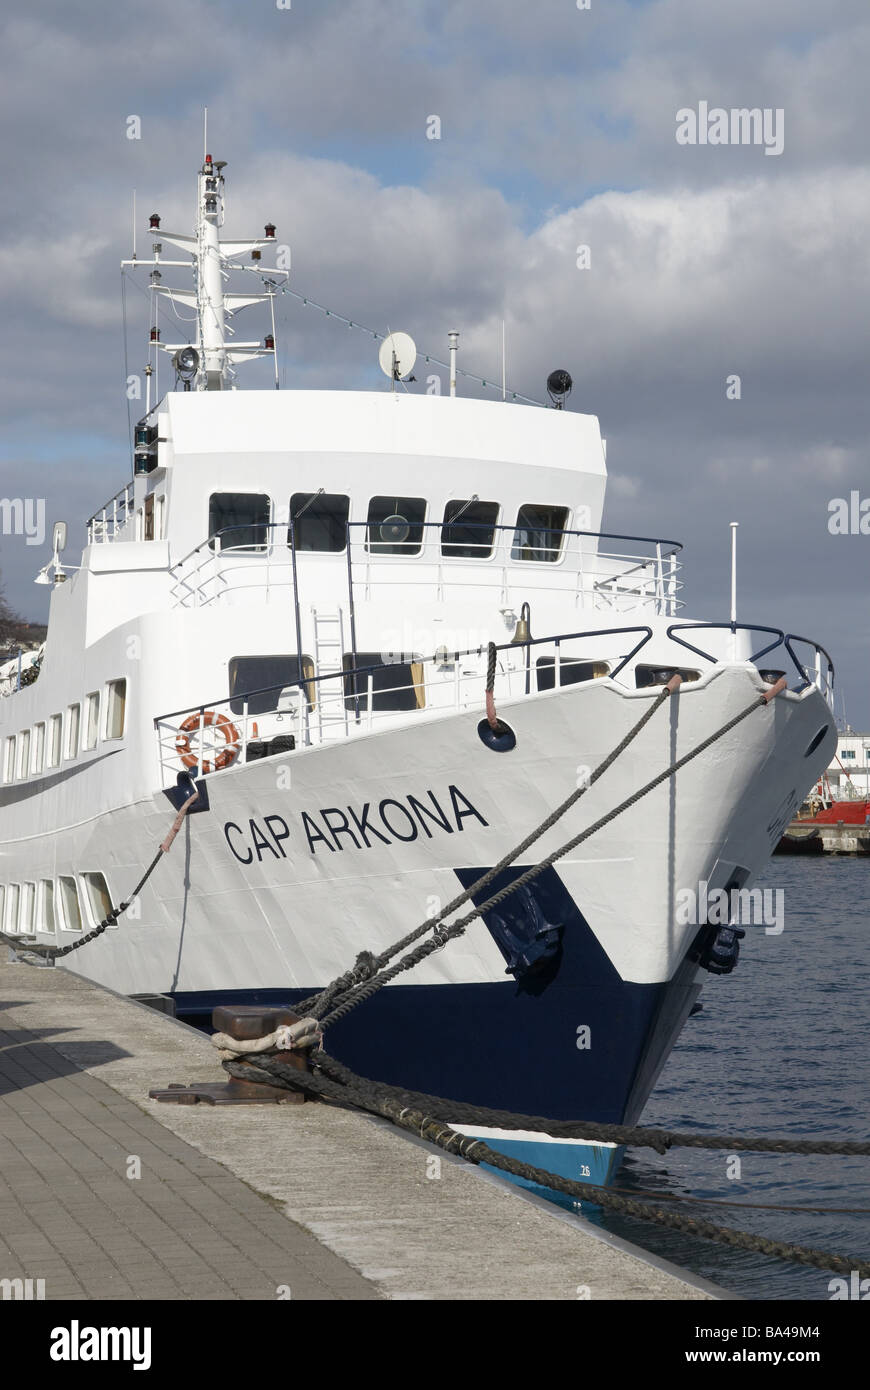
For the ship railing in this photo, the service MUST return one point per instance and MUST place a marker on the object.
(440, 560)
(112, 517)
(322, 708)
(799, 655)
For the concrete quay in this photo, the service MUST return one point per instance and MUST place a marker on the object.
(105, 1194)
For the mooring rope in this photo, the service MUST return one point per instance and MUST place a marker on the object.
(53, 953)
(357, 993)
(367, 964)
(377, 1099)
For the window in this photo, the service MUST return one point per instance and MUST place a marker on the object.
(2, 906)
(116, 706)
(398, 686)
(571, 671)
(73, 720)
(97, 897)
(319, 520)
(468, 529)
(54, 735)
(39, 748)
(28, 909)
(45, 920)
(243, 517)
(395, 525)
(24, 753)
(539, 533)
(68, 898)
(13, 898)
(160, 519)
(92, 721)
(275, 676)
(847, 754)
(9, 760)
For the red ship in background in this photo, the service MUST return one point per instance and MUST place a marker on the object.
(821, 826)
(822, 807)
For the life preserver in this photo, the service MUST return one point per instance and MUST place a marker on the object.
(192, 725)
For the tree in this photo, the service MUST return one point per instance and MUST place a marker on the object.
(7, 617)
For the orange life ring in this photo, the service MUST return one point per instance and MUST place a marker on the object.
(192, 725)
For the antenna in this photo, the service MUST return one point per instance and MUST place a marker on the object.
(134, 224)
(503, 372)
(204, 133)
(734, 525)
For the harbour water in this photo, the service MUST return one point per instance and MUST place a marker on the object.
(780, 1048)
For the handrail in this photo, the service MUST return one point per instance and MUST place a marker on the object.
(793, 637)
(730, 627)
(304, 681)
(286, 526)
(124, 497)
(781, 639)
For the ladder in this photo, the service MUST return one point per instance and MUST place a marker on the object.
(330, 709)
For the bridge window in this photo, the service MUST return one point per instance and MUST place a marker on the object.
(92, 721)
(539, 533)
(395, 525)
(9, 760)
(24, 753)
(116, 707)
(241, 517)
(468, 529)
(70, 912)
(319, 520)
(397, 686)
(274, 677)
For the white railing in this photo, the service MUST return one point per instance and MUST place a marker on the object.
(320, 709)
(111, 518)
(346, 704)
(219, 570)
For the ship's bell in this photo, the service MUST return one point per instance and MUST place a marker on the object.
(523, 632)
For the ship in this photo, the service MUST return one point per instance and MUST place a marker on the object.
(290, 605)
(828, 822)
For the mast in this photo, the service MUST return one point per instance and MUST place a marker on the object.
(212, 260)
(210, 289)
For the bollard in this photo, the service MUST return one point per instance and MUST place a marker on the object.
(242, 1022)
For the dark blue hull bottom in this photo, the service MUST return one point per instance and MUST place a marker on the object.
(489, 1045)
(564, 1037)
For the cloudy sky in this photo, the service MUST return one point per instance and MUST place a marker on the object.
(557, 129)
